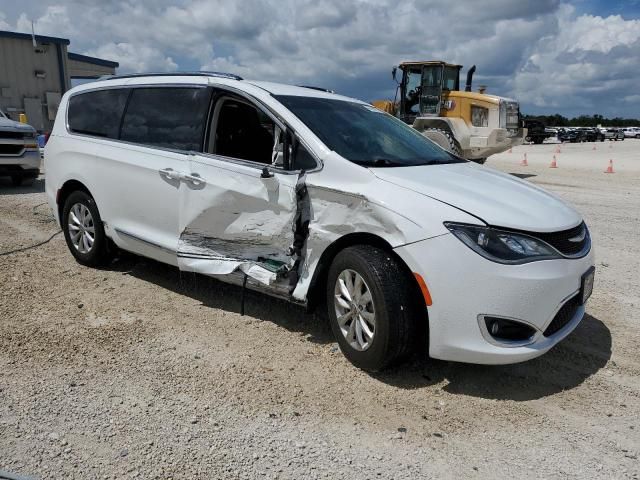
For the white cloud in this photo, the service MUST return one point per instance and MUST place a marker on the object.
(589, 64)
(542, 53)
(135, 58)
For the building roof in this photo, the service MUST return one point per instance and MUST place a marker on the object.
(39, 38)
(92, 60)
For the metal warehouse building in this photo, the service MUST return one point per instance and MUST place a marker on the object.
(36, 70)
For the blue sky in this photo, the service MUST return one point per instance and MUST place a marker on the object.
(571, 57)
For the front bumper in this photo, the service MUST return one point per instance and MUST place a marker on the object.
(28, 161)
(485, 142)
(465, 286)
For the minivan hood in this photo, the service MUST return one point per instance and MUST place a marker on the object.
(497, 198)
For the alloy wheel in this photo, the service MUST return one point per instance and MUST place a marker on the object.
(354, 309)
(81, 228)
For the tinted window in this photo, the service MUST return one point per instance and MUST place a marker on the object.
(97, 113)
(243, 131)
(166, 117)
(365, 135)
(303, 159)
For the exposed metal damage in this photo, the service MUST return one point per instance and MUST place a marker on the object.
(267, 246)
(277, 249)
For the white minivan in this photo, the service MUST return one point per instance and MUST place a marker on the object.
(322, 200)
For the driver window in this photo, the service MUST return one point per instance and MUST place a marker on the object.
(413, 89)
(242, 131)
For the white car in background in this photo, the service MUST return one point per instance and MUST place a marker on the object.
(322, 200)
(631, 132)
(19, 153)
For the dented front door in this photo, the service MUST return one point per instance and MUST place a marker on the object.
(236, 218)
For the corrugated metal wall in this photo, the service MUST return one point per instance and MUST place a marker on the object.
(18, 63)
(84, 69)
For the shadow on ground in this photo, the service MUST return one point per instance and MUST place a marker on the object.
(523, 175)
(574, 360)
(7, 189)
(216, 294)
(567, 365)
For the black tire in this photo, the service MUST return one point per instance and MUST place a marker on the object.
(480, 161)
(394, 298)
(538, 140)
(102, 251)
(452, 144)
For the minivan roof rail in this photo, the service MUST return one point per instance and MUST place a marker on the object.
(317, 88)
(174, 74)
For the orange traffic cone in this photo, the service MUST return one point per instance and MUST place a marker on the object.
(554, 163)
(511, 150)
(594, 148)
(558, 149)
(524, 162)
(610, 167)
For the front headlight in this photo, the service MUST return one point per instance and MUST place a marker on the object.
(502, 246)
(479, 116)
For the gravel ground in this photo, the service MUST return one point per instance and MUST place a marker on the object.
(140, 371)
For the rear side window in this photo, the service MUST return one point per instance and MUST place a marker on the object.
(167, 117)
(97, 113)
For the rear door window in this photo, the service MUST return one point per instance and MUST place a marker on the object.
(168, 117)
(97, 113)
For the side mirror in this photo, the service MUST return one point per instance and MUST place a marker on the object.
(393, 73)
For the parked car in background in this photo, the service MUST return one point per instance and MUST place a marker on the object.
(592, 134)
(536, 131)
(613, 133)
(631, 132)
(573, 135)
(311, 196)
(19, 153)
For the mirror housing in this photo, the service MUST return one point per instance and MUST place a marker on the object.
(393, 73)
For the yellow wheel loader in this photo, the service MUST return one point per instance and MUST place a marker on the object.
(470, 124)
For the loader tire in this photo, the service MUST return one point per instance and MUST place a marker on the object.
(444, 139)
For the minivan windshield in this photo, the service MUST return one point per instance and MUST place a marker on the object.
(365, 135)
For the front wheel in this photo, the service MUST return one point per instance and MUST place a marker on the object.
(443, 138)
(84, 231)
(372, 307)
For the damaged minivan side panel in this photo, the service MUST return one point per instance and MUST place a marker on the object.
(237, 221)
(269, 231)
(241, 217)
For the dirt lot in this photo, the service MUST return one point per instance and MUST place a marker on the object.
(139, 371)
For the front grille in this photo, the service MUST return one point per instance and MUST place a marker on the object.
(11, 149)
(562, 241)
(12, 134)
(564, 316)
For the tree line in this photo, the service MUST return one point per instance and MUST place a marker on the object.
(558, 120)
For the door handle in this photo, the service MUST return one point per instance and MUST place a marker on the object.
(169, 174)
(194, 179)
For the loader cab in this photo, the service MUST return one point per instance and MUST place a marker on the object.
(422, 86)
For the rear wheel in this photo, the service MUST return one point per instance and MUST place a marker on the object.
(372, 307)
(84, 231)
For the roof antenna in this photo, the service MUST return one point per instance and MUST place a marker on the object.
(33, 36)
